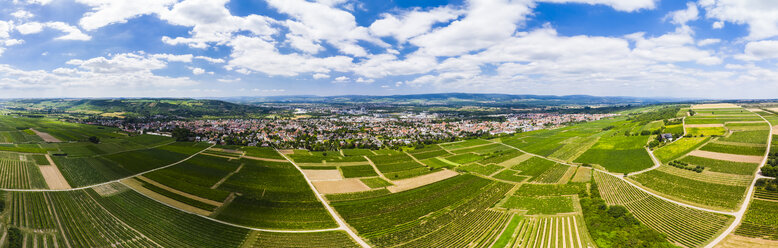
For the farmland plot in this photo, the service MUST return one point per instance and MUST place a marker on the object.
(273, 195)
(760, 221)
(694, 191)
(686, 226)
(679, 148)
(437, 209)
(619, 154)
(547, 231)
(291, 240)
(16, 174)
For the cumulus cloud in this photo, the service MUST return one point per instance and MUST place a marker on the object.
(760, 50)
(622, 5)
(761, 16)
(22, 14)
(71, 32)
(412, 23)
(107, 12)
(315, 22)
(257, 54)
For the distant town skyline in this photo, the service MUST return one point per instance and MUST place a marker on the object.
(722, 49)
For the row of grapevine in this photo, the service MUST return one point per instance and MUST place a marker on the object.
(475, 229)
(313, 239)
(682, 225)
(16, 174)
(549, 231)
(30, 210)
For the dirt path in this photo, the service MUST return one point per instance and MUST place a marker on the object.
(216, 185)
(341, 223)
(381, 175)
(412, 183)
(265, 159)
(653, 158)
(45, 136)
(137, 186)
(53, 176)
(727, 156)
(704, 125)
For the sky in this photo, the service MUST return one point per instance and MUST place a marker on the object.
(722, 49)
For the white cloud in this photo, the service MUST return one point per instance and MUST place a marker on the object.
(30, 28)
(319, 22)
(365, 81)
(5, 29)
(706, 42)
(761, 16)
(681, 17)
(486, 23)
(718, 25)
(341, 79)
(672, 47)
(210, 60)
(622, 5)
(320, 76)
(412, 23)
(120, 64)
(198, 71)
(22, 14)
(71, 33)
(260, 55)
(760, 50)
(186, 58)
(211, 22)
(107, 12)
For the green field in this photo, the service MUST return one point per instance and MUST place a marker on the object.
(679, 148)
(733, 149)
(700, 192)
(540, 205)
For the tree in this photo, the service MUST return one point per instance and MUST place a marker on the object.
(94, 139)
(182, 134)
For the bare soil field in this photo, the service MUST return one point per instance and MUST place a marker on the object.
(735, 241)
(714, 106)
(53, 176)
(340, 186)
(727, 157)
(45, 136)
(411, 183)
(322, 175)
(775, 129)
(286, 151)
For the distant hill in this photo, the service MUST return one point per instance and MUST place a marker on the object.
(457, 99)
(138, 107)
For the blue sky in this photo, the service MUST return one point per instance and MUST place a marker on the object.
(210, 48)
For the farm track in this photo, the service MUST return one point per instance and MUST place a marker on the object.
(749, 196)
(341, 223)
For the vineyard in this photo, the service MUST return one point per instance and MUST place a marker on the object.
(682, 225)
(546, 231)
(16, 174)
